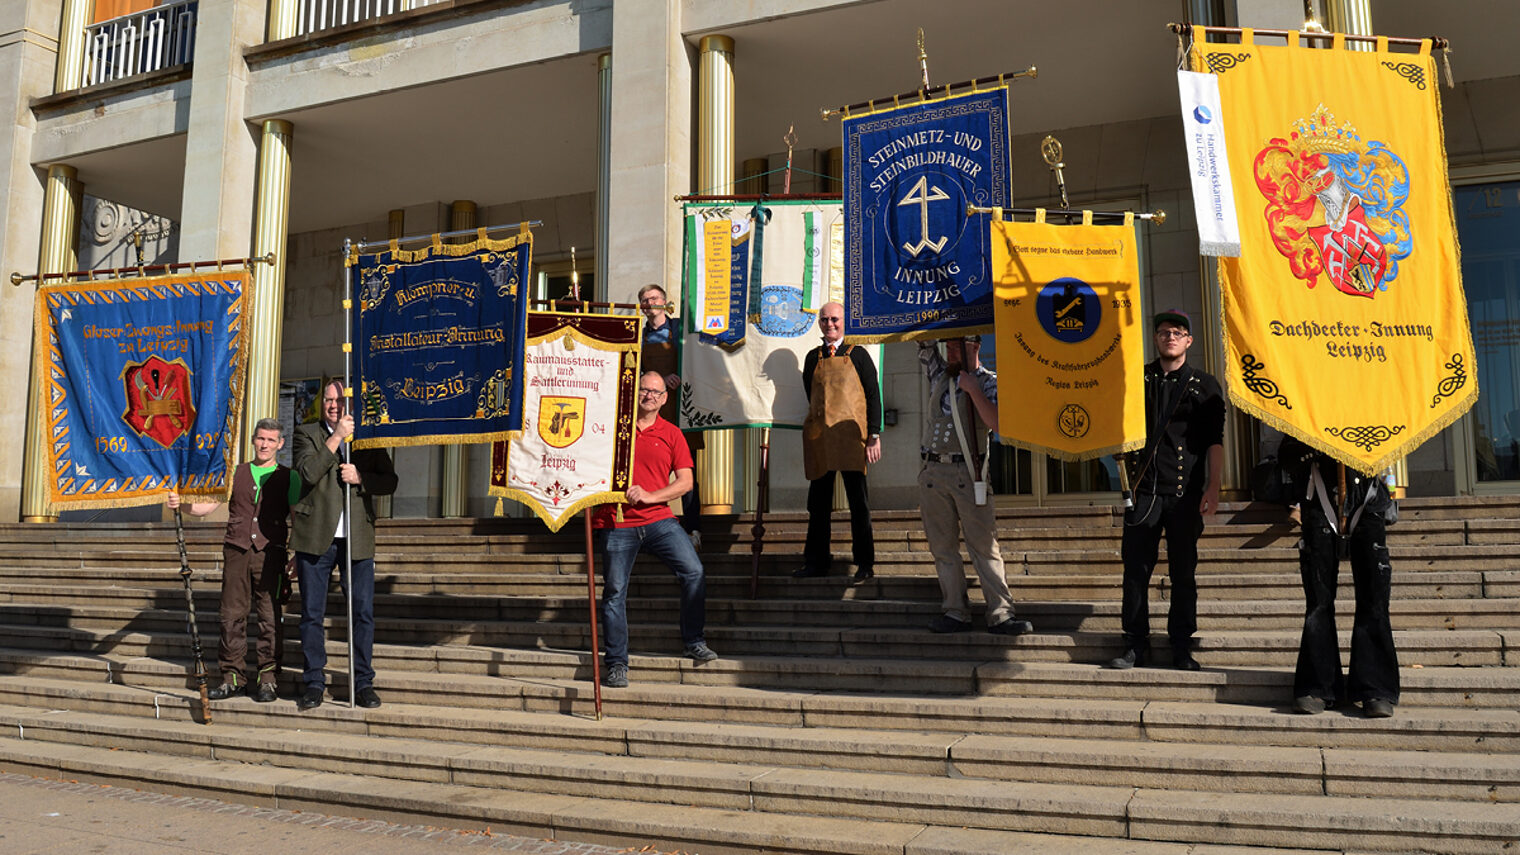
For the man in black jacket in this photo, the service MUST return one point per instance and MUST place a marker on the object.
(320, 535)
(1355, 521)
(1176, 484)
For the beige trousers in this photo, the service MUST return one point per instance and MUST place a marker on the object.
(947, 504)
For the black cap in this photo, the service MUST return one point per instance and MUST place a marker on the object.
(1173, 316)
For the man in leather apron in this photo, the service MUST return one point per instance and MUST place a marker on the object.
(842, 433)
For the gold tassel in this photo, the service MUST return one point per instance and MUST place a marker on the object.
(1446, 64)
(498, 511)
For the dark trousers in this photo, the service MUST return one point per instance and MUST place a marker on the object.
(315, 573)
(1178, 518)
(816, 554)
(691, 508)
(1374, 672)
(251, 580)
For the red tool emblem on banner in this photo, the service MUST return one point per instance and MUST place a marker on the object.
(158, 399)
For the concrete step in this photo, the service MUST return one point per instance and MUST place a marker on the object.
(573, 748)
(464, 698)
(1030, 666)
(1468, 633)
(1100, 811)
(165, 589)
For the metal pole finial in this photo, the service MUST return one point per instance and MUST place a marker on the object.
(923, 61)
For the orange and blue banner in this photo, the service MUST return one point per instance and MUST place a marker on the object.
(1070, 337)
(438, 341)
(141, 384)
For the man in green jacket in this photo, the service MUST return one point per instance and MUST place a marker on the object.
(320, 536)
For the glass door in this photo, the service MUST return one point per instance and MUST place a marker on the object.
(1488, 226)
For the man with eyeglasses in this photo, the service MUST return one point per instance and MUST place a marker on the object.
(661, 472)
(842, 433)
(1175, 481)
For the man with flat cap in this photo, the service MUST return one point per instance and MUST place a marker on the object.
(1175, 479)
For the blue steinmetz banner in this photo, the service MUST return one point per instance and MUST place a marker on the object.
(438, 342)
(916, 266)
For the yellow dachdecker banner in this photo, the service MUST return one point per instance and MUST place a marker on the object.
(1070, 347)
(1345, 322)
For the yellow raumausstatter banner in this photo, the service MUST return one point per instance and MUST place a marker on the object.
(1070, 348)
(1345, 322)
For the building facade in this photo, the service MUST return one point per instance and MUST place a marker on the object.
(233, 128)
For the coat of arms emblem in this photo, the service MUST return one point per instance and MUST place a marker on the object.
(159, 404)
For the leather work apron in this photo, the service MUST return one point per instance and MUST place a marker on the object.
(834, 432)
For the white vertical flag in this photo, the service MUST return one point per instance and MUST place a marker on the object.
(1213, 195)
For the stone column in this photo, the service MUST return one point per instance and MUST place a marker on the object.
(271, 227)
(1352, 17)
(69, 72)
(221, 157)
(715, 174)
(283, 17)
(60, 228)
(454, 493)
(30, 54)
(603, 170)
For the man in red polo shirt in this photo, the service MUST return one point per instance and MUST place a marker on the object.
(647, 524)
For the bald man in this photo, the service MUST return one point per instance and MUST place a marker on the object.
(842, 433)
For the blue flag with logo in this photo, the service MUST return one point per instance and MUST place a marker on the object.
(438, 341)
(142, 386)
(916, 266)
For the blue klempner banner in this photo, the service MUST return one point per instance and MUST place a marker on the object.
(142, 387)
(915, 265)
(438, 342)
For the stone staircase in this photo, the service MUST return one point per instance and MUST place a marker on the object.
(834, 723)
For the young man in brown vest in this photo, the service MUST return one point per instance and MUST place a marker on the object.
(842, 433)
(253, 562)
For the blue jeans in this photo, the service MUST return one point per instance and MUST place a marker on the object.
(315, 573)
(666, 541)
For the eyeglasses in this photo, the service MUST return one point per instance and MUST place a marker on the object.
(1164, 334)
(651, 393)
(828, 320)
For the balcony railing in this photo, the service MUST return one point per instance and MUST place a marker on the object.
(318, 15)
(161, 37)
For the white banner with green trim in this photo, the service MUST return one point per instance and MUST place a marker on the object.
(758, 383)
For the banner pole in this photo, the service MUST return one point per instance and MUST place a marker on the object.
(1340, 496)
(762, 499)
(596, 646)
(375, 244)
(195, 633)
(348, 515)
(908, 99)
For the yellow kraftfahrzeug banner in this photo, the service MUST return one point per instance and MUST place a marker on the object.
(1345, 322)
(1070, 348)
